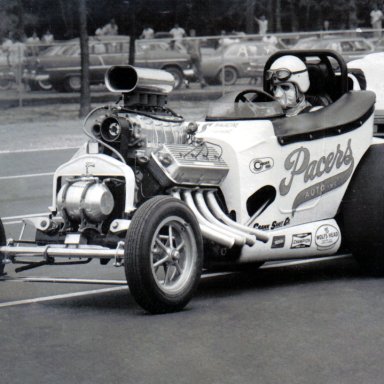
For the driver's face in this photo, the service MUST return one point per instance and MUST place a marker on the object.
(285, 94)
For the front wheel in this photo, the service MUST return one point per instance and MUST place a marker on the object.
(163, 255)
(2, 242)
(6, 84)
(230, 76)
(72, 83)
(40, 85)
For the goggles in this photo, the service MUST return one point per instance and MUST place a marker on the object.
(281, 74)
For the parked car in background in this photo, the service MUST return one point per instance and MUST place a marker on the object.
(237, 60)
(63, 71)
(378, 44)
(351, 48)
(372, 67)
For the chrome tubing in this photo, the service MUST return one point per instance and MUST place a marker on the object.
(217, 211)
(240, 237)
(62, 251)
(187, 195)
(126, 79)
(207, 229)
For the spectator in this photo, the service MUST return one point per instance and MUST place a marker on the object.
(270, 39)
(16, 58)
(6, 47)
(148, 33)
(326, 25)
(177, 32)
(376, 20)
(33, 44)
(110, 29)
(47, 37)
(194, 51)
(263, 24)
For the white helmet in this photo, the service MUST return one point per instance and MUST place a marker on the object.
(291, 69)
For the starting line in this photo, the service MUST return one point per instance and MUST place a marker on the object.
(122, 284)
(63, 296)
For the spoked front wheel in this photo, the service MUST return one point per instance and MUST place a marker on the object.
(163, 255)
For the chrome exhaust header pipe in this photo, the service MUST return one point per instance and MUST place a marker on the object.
(240, 237)
(208, 230)
(127, 79)
(217, 211)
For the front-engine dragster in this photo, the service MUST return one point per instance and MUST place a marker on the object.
(167, 198)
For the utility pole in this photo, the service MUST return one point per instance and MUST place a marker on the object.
(85, 94)
(132, 32)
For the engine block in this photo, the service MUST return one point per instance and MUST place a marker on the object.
(194, 164)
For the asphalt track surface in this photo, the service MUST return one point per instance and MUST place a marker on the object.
(317, 322)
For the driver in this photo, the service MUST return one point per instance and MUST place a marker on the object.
(289, 82)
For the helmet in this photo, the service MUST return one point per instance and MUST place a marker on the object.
(289, 69)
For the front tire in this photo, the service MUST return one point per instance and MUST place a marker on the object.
(72, 83)
(230, 76)
(6, 84)
(40, 85)
(163, 255)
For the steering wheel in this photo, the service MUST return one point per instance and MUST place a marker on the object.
(253, 96)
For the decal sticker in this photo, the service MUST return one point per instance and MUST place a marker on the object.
(261, 165)
(299, 162)
(275, 224)
(278, 242)
(326, 237)
(301, 240)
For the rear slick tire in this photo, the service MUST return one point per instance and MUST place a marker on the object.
(363, 212)
(163, 255)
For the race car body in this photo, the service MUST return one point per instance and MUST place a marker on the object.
(168, 198)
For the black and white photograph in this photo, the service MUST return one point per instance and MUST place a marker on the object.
(191, 191)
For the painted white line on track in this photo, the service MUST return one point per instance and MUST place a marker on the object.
(79, 294)
(12, 220)
(65, 280)
(26, 176)
(8, 151)
(58, 297)
(24, 216)
(105, 290)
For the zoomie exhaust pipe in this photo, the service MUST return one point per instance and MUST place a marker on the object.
(127, 79)
(215, 224)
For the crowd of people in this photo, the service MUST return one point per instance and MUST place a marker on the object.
(15, 47)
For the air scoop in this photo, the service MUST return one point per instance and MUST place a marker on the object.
(129, 79)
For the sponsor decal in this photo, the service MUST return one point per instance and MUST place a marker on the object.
(326, 237)
(278, 242)
(301, 240)
(261, 165)
(299, 163)
(275, 224)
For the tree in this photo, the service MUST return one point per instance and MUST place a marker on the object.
(85, 94)
(250, 12)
